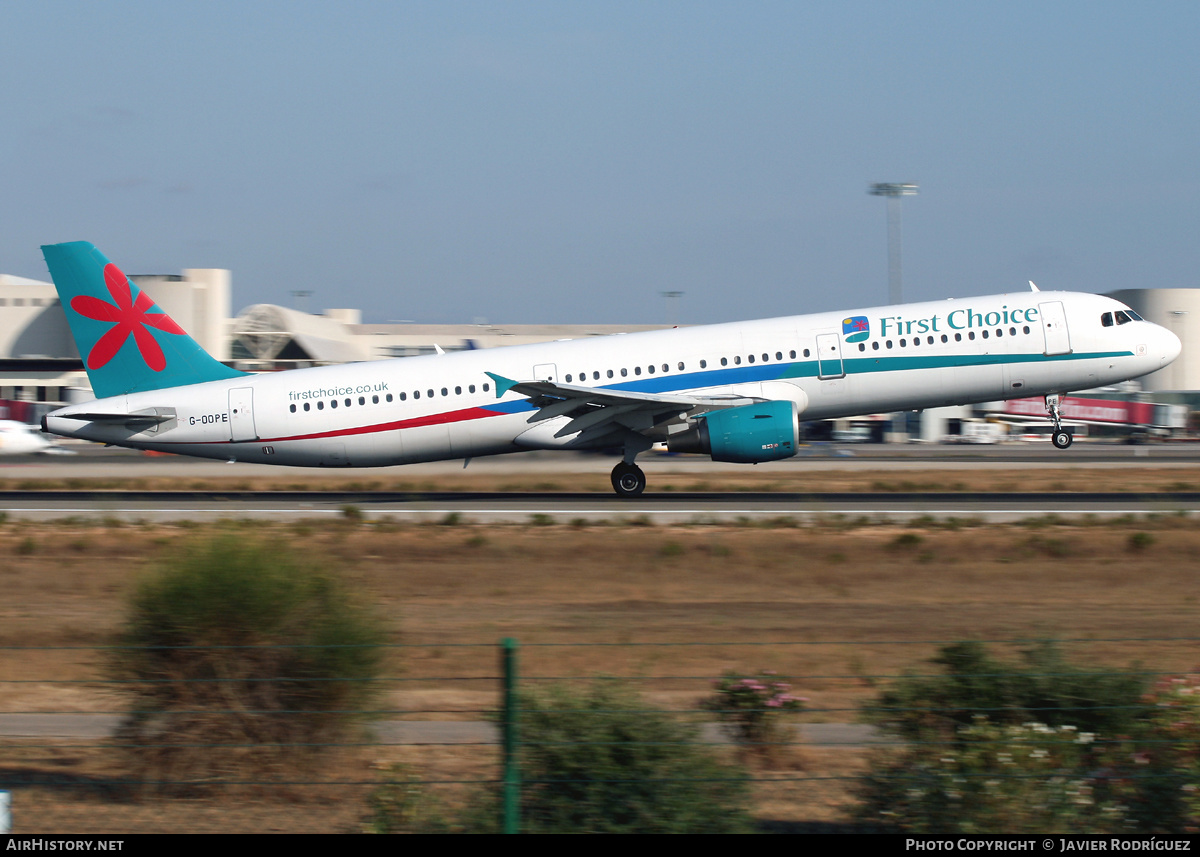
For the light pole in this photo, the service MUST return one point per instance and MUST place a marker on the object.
(893, 191)
(300, 299)
(672, 298)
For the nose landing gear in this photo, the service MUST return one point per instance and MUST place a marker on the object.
(1061, 437)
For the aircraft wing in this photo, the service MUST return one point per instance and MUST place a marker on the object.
(598, 412)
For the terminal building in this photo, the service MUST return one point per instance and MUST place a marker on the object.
(40, 365)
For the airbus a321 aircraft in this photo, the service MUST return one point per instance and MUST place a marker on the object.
(735, 392)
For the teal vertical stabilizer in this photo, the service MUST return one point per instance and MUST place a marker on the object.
(127, 343)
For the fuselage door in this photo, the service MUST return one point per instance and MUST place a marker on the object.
(546, 372)
(1054, 325)
(241, 414)
(829, 356)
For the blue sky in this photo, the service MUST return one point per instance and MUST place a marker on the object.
(569, 162)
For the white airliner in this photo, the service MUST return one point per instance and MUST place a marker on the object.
(736, 392)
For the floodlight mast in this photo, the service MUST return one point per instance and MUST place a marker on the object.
(893, 191)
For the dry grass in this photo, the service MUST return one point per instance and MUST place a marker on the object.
(854, 602)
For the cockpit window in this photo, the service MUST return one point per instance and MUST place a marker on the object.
(1106, 320)
(1134, 315)
(1122, 318)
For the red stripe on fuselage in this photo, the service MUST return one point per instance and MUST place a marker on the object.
(430, 420)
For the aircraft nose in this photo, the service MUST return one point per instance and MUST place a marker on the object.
(1170, 345)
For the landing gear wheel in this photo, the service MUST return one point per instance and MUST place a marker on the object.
(628, 480)
(1062, 439)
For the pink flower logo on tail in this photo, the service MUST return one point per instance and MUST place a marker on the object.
(128, 317)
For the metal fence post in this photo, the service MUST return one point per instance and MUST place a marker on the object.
(512, 771)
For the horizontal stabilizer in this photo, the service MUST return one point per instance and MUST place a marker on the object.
(124, 419)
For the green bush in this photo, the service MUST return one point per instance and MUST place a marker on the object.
(1044, 747)
(993, 778)
(593, 760)
(599, 760)
(403, 804)
(239, 658)
(1043, 688)
(751, 709)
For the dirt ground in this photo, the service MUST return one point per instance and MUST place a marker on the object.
(841, 607)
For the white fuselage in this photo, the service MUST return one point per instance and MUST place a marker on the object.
(445, 406)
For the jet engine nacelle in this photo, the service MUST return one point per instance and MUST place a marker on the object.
(767, 431)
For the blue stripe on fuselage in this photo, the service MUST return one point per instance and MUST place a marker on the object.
(733, 375)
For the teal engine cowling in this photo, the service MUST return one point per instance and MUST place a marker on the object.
(767, 431)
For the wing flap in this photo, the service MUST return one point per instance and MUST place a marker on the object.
(597, 411)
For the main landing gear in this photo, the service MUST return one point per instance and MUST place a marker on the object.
(1061, 437)
(628, 480)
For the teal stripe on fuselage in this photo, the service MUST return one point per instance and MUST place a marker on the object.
(732, 375)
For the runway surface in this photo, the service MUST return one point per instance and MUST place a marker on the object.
(590, 472)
